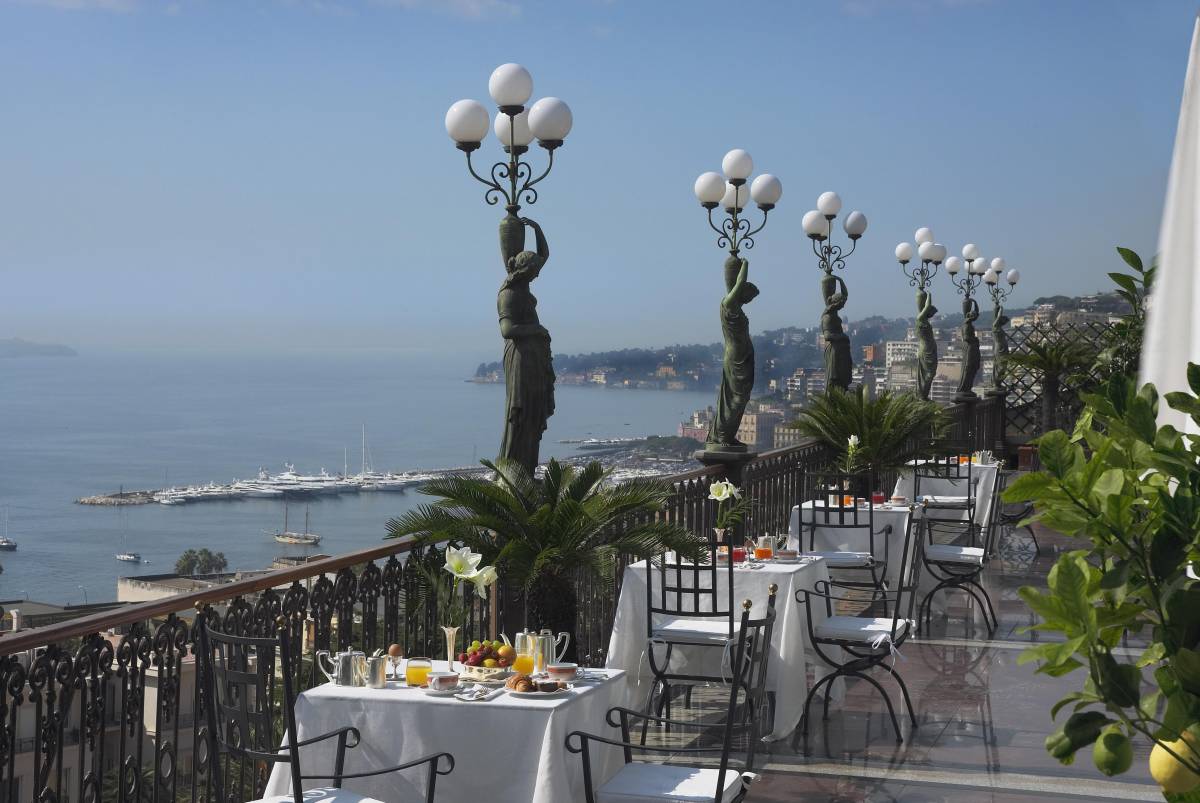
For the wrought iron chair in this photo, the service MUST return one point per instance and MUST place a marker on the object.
(940, 466)
(650, 782)
(1010, 515)
(865, 641)
(239, 679)
(825, 509)
(691, 605)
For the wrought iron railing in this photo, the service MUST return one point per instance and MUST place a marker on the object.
(106, 708)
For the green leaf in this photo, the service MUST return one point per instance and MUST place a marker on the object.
(1116, 577)
(1131, 258)
(1120, 684)
(1109, 483)
(1193, 377)
(1124, 281)
(1080, 730)
(1028, 487)
(1186, 665)
(1068, 580)
(1058, 454)
(1076, 696)
(1152, 654)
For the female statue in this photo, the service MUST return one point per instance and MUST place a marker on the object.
(970, 350)
(838, 365)
(1000, 338)
(737, 375)
(927, 353)
(528, 368)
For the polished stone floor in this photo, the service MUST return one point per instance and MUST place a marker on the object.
(982, 718)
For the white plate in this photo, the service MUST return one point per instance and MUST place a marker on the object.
(444, 692)
(558, 693)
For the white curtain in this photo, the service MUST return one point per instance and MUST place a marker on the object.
(1173, 330)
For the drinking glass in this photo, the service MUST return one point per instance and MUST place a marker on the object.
(877, 498)
(416, 671)
(523, 663)
(739, 555)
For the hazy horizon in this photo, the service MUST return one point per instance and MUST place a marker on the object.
(275, 175)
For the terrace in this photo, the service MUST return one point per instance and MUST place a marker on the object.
(114, 693)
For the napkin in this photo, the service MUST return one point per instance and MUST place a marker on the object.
(477, 694)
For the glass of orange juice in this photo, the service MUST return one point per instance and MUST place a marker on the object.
(523, 663)
(416, 671)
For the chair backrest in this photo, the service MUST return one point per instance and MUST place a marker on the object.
(825, 507)
(748, 663)
(678, 588)
(908, 578)
(240, 681)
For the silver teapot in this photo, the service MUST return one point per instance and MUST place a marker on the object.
(349, 668)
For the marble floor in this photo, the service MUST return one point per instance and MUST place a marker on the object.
(982, 718)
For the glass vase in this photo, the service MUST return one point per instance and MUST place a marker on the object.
(451, 632)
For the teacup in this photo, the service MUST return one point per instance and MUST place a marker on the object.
(562, 671)
(443, 681)
(899, 500)
(786, 554)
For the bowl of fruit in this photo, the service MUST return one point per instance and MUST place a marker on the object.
(486, 661)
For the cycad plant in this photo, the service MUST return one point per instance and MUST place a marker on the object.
(544, 536)
(1052, 361)
(871, 434)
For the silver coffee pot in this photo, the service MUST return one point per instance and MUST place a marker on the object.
(347, 668)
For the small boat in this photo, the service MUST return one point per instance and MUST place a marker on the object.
(305, 538)
(6, 543)
(129, 557)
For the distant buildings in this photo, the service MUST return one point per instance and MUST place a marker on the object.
(696, 427)
(899, 351)
(758, 428)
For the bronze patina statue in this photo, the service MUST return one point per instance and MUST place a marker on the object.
(1000, 355)
(970, 341)
(927, 353)
(838, 365)
(737, 375)
(528, 367)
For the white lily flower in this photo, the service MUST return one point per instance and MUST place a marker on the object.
(483, 578)
(853, 441)
(736, 491)
(462, 563)
(720, 491)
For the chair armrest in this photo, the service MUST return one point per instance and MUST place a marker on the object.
(348, 730)
(583, 738)
(808, 593)
(433, 759)
(628, 712)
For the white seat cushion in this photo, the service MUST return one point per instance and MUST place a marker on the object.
(323, 795)
(688, 630)
(640, 782)
(938, 500)
(844, 560)
(859, 629)
(948, 553)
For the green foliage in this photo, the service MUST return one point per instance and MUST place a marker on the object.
(889, 427)
(201, 561)
(570, 521)
(1123, 354)
(1133, 490)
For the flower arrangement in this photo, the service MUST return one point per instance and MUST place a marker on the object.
(732, 506)
(463, 567)
(852, 460)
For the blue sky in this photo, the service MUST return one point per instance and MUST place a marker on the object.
(261, 174)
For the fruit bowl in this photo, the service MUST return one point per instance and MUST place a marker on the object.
(485, 674)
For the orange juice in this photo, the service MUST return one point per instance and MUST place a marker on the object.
(523, 664)
(847, 501)
(417, 673)
(763, 552)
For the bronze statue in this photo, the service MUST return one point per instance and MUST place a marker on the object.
(838, 365)
(927, 353)
(528, 366)
(1000, 352)
(737, 375)
(970, 341)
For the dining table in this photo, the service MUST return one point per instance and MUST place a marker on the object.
(507, 749)
(787, 663)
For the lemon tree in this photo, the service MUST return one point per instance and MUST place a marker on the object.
(1132, 489)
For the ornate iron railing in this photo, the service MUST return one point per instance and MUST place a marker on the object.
(107, 709)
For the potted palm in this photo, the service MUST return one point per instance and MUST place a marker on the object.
(544, 536)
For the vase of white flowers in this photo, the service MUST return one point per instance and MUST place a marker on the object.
(462, 566)
(732, 506)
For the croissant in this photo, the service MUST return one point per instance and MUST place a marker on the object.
(516, 682)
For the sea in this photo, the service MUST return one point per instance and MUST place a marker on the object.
(98, 423)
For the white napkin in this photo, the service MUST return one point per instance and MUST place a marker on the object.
(478, 694)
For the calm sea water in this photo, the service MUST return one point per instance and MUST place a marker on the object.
(88, 425)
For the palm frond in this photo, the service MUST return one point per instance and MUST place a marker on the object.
(517, 479)
(586, 481)
(885, 425)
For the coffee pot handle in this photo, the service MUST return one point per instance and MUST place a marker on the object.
(322, 659)
(565, 640)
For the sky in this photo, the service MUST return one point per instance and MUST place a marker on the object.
(251, 175)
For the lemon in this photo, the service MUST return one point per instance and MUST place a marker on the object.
(1171, 775)
(1112, 753)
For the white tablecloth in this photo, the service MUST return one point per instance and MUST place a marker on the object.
(854, 539)
(505, 749)
(786, 667)
(984, 477)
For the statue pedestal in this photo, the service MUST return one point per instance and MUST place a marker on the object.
(733, 458)
(992, 393)
(969, 396)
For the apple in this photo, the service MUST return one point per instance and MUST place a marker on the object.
(490, 663)
(506, 652)
(504, 662)
(462, 657)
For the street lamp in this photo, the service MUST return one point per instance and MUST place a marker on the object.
(528, 371)
(818, 225)
(931, 255)
(84, 590)
(976, 266)
(730, 191)
(999, 320)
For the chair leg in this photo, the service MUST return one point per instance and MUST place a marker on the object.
(1037, 548)
(802, 728)
(904, 692)
(982, 608)
(888, 701)
(687, 696)
(987, 601)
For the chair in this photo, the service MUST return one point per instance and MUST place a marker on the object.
(649, 782)
(955, 553)
(238, 676)
(828, 511)
(865, 641)
(942, 467)
(1010, 515)
(691, 605)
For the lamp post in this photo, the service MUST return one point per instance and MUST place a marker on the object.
(735, 232)
(818, 225)
(931, 256)
(528, 367)
(999, 320)
(975, 266)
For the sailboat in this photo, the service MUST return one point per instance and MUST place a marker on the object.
(305, 538)
(6, 543)
(125, 555)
